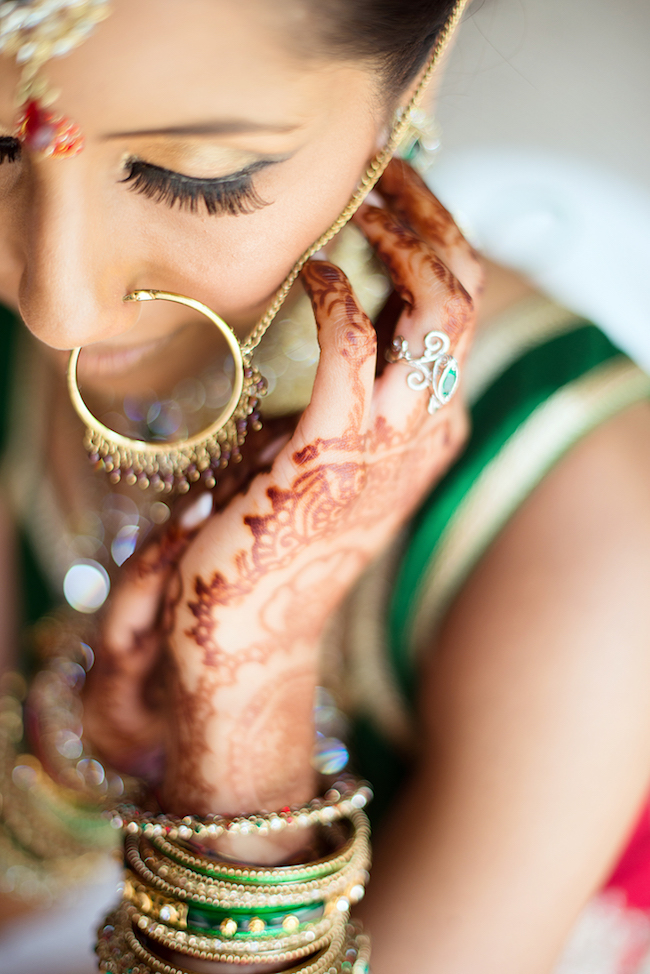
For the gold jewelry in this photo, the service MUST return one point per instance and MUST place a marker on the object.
(265, 948)
(166, 467)
(120, 950)
(146, 463)
(35, 32)
(186, 884)
(346, 794)
(52, 834)
(216, 869)
(232, 912)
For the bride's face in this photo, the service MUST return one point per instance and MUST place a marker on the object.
(215, 100)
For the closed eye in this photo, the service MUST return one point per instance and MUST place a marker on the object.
(232, 195)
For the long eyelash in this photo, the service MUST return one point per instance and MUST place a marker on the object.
(234, 196)
(9, 149)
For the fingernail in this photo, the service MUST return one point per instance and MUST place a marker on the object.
(319, 255)
(196, 512)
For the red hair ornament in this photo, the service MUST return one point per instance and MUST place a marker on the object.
(46, 133)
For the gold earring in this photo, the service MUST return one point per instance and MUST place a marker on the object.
(174, 466)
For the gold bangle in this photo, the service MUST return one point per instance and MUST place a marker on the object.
(345, 796)
(183, 884)
(120, 951)
(174, 913)
(260, 950)
(220, 870)
(324, 958)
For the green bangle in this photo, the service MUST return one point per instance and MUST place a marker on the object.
(273, 948)
(219, 920)
(245, 924)
(120, 951)
(181, 884)
(220, 870)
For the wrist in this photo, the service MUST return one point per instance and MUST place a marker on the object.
(243, 746)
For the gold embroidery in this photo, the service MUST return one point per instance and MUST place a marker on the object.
(508, 336)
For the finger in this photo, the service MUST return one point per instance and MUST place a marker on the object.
(137, 600)
(434, 298)
(119, 714)
(434, 301)
(412, 202)
(340, 402)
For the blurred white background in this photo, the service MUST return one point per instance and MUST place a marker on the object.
(545, 154)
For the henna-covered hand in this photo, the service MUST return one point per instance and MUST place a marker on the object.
(253, 590)
(124, 698)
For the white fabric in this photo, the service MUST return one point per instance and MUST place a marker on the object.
(546, 149)
(608, 939)
(582, 234)
(61, 939)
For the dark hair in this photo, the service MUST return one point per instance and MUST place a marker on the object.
(396, 34)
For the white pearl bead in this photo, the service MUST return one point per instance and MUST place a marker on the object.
(34, 18)
(26, 52)
(64, 46)
(14, 21)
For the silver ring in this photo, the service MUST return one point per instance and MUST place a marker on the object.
(435, 370)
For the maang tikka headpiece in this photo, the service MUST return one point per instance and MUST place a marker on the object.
(34, 32)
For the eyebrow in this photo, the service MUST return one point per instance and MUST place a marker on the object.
(222, 127)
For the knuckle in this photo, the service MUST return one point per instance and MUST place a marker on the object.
(459, 312)
(355, 340)
(353, 334)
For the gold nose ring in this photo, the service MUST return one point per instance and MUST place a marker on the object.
(174, 466)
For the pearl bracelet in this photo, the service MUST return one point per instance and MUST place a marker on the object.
(345, 796)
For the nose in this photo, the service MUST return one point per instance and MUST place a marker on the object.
(73, 280)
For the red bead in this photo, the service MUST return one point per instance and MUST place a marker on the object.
(51, 135)
(38, 130)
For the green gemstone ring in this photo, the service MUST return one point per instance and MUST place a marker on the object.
(435, 370)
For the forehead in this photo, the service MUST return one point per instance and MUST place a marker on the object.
(187, 60)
